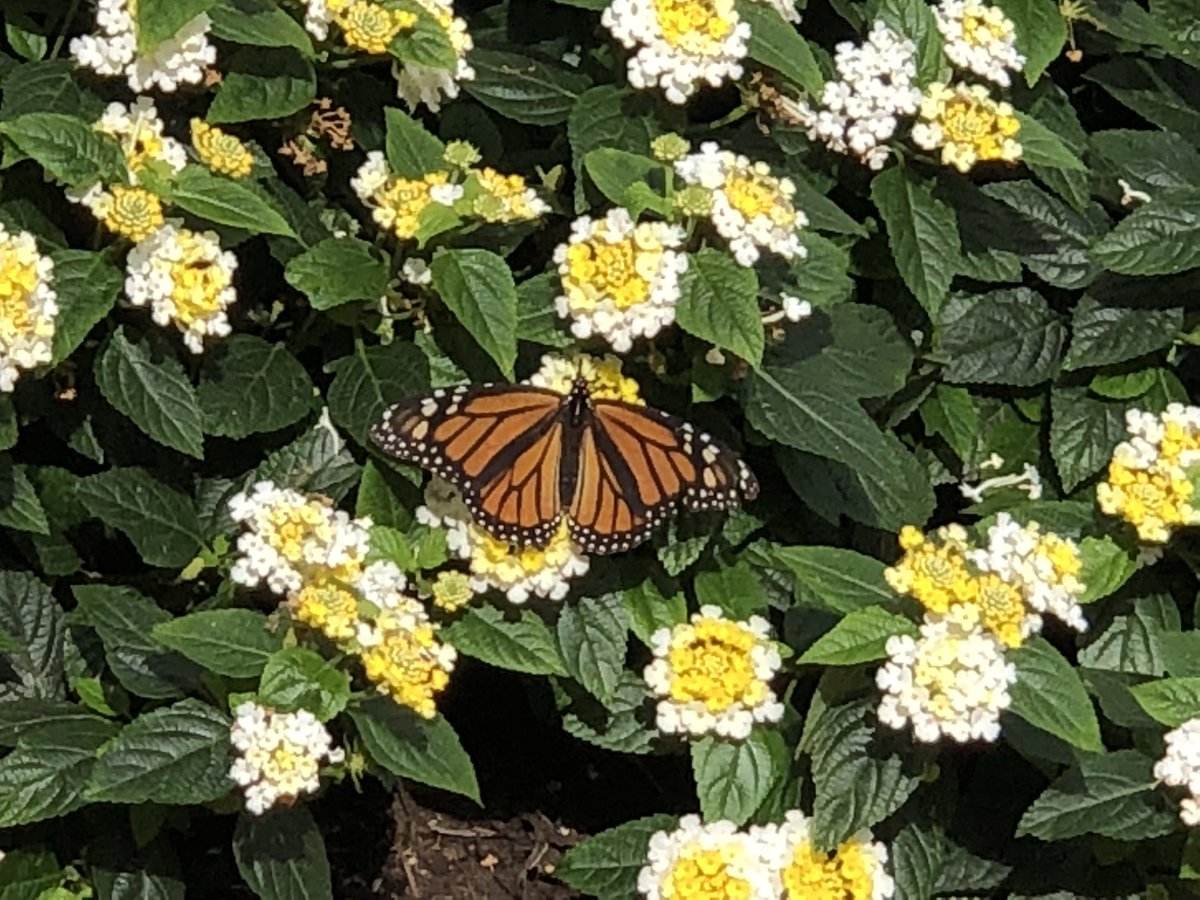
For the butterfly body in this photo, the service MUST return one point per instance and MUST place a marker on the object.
(525, 457)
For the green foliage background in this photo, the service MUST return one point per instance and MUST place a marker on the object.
(1019, 311)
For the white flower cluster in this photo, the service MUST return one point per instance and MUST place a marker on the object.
(28, 306)
(751, 208)
(417, 84)
(141, 133)
(185, 278)
(288, 533)
(979, 38)
(859, 113)
(767, 862)
(178, 60)
(1180, 767)
(712, 675)
(951, 681)
(620, 279)
(1044, 567)
(279, 755)
(680, 44)
(795, 309)
(517, 572)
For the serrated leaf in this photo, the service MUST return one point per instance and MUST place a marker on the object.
(1083, 433)
(607, 116)
(822, 277)
(258, 23)
(296, 678)
(593, 634)
(624, 724)
(922, 232)
(87, 285)
(649, 609)
(1041, 32)
(914, 20)
(607, 865)
(1008, 336)
(158, 20)
(1161, 237)
(1049, 695)
(1162, 91)
(524, 89)
(477, 286)
(718, 302)
(27, 873)
(412, 151)
(861, 636)
(425, 750)
(734, 778)
(174, 755)
(159, 520)
(832, 578)
(263, 84)
(1171, 701)
(46, 86)
(1102, 335)
(232, 642)
(370, 380)
(522, 643)
(615, 171)
(1132, 642)
(1151, 161)
(1042, 147)
(1110, 795)
(47, 774)
(537, 319)
(226, 202)
(248, 386)
(775, 43)
(1106, 565)
(734, 589)
(427, 43)
(153, 391)
(282, 856)
(33, 622)
(338, 270)
(68, 148)
(20, 508)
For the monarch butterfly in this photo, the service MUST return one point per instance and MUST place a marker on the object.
(524, 456)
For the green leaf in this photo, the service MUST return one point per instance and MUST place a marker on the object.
(425, 750)
(27, 873)
(315, 463)
(47, 774)
(378, 499)
(258, 23)
(1008, 336)
(158, 20)
(226, 202)
(67, 148)
(232, 642)
(1111, 795)
(281, 855)
(159, 520)
(1041, 33)
(20, 508)
(537, 319)
(855, 787)
(1181, 652)
(735, 589)
(411, 150)
(47, 86)
(734, 778)
(296, 678)
(649, 609)
(87, 285)
(263, 84)
(914, 20)
(248, 386)
(833, 578)
(1102, 335)
(1150, 161)
(951, 412)
(621, 725)
(1161, 237)
(33, 624)
(477, 286)
(1083, 433)
(427, 43)
(1132, 643)
(1162, 91)
(615, 171)
(608, 116)
(776, 44)
(174, 755)
(1042, 147)
(822, 277)
(1049, 695)
(521, 643)
(124, 620)
(19, 718)
(858, 638)
(370, 380)
(718, 302)
(607, 865)
(593, 635)
(1171, 701)
(338, 270)
(1106, 566)
(153, 391)
(922, 232)
(524, 89)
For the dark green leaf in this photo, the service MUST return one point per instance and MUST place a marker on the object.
(521, 643)
(258, 23)
(87, 285)
(775, 43)
(33, 622)
(411, 150)
(248, 385)
(263, 84)
(477, 286)
(338, 270)
(370, 380)
(1049, 695)
(226, 202)
(296, 678)
(47, 774)
(734, 778)
(649, 609)
(858, 638)
(1161, 237)
(524, 89)
(718, 302)
(160, 521)
(232, 642)
(593, 634)
(1083, 433)
(281, 855)
(158, 20)
(1102, 335)
(1008, 336)
(607, 865)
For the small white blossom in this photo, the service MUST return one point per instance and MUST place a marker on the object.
(416, 271)
(417, 84)
(714, 858)
(1130, 196)
(979, 38)
(279, 755)
(1180, 767)
(795, 309)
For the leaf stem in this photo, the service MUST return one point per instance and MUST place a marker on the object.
(61, 37)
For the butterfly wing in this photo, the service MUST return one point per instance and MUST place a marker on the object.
(637, 464)
(500, 445)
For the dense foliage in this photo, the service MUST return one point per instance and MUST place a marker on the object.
(931, 269)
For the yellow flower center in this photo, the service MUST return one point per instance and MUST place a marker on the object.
(221, 151)
(327, 606)
(290, 527)
(452, 591)
(133, 212)
(510, 561)
(977, 123)
(712, 663)
(405, 665)
(935, 575)
(368, 26)
(978, 31)
(1002, 609)
(1153, 502)
(504, 197)
(695, 26)
(757, 194)
(18, 281)
(705, 875)
(404, 199)
(197, 282)
(847, 874)
(621, 271)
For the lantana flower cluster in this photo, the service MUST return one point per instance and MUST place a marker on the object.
(1180, 767)
(315, 557)
(279, 755)
(952, 680)
(1152, 477)
(712, 675)
(860, 113)
(28, 306)
(772, 862)
(180, 59)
